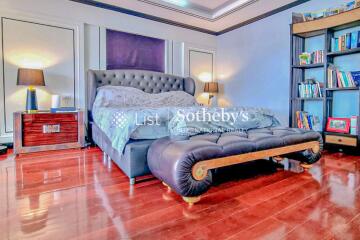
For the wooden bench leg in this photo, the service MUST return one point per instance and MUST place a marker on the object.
(278, 159)
(306, 166)
(168, 187)
(192, 200)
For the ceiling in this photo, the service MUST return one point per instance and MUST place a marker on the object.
(211, 4)
(212, 16)
(206, 9)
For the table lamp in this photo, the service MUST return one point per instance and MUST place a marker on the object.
(212, 88)
(31, 78)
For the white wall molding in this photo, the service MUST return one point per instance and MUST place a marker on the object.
(78, 41)
(76, 12)
(198, 60)
(197, 47)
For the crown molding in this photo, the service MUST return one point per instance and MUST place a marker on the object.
(214, 16)
(186, 26)
(262, 16)
(142, 15)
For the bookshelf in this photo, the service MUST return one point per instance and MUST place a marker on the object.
(308, 66)
(335, 102)
(342, 53)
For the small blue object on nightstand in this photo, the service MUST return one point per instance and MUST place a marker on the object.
(63, 110)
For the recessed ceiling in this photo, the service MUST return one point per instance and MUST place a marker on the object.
(211, 4)
(210, 10)
(212, 16)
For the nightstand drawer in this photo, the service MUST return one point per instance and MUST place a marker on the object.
(347, 141)
(48, 117)
(49, 133)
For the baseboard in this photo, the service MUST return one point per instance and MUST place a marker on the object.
(8, 138)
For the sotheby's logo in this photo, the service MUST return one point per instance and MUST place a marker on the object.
(120, 120)
(123, 119)
(210, 115)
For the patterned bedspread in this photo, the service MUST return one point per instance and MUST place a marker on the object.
(119, 123)
(119, 111)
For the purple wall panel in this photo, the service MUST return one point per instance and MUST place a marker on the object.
(130, 51)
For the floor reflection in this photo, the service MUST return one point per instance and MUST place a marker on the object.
(43, 175)
(71, 194)
(35, 214)
(38, 181)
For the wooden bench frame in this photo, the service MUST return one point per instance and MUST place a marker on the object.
(200, 169)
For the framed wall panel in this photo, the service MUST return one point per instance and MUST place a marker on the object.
(201, 69)
(178, 58)
(30, 44)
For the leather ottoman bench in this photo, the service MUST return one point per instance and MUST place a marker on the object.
(185, 164)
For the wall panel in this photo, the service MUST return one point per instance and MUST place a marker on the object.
(201, 69)
(35, 45)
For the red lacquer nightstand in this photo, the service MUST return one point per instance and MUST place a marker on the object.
(44, 131)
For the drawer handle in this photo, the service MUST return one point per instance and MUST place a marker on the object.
(51, 128)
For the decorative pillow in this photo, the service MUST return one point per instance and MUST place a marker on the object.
(118, 96)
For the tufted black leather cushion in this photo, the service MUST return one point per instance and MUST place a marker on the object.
(171, 160)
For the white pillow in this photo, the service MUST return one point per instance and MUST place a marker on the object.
(119, 96)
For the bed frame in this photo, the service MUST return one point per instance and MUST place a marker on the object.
(133, 161)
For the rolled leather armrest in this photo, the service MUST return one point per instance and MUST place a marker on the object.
(308, 156)
(176, 168)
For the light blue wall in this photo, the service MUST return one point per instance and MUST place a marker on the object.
(254, 61)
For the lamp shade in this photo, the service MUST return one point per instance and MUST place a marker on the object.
(211, 87)
(30, 77)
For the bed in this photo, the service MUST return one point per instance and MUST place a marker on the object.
(197, 140)
(133, 160)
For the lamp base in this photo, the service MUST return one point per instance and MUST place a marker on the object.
(31, 100)
(212, 102)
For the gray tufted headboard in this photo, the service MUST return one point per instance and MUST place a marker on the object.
(147, 81)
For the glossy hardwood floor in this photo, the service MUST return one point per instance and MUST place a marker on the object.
(73, 195)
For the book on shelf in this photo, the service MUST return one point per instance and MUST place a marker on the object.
(298, 17)
(354, 120)
(312, 58)
(356, 77)
(342, 79)
(345, 42)
(307, 121)
(309, 16)
(310, 88)
(63, 110)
